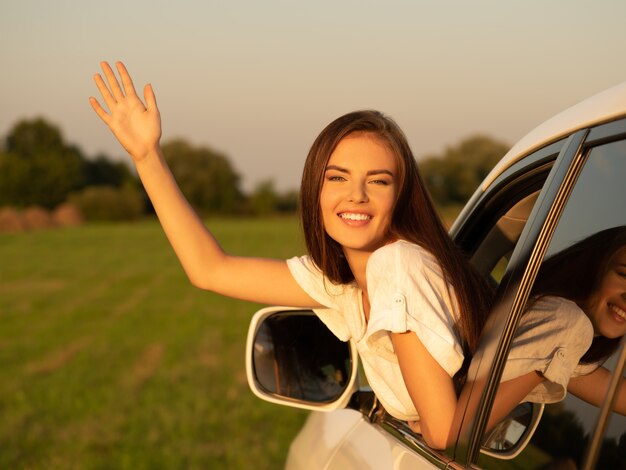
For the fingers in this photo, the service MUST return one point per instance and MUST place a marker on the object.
(119, 99)
(111, 91)
(127, 82)
(415, 426)
(148, 94)
(114, 86)
(99, 109)
(108, 98)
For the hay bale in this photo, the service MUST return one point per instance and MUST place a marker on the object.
(37, 218)
(67, 215)
(11, 220)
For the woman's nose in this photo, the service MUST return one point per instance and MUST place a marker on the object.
(357, 193)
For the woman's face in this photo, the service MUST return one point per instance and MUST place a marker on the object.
(358, 193)
(607, 306)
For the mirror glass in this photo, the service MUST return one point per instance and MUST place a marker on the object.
(509, 435)
(296, 356)
(509, 431)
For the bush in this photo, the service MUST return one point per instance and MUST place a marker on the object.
(11, 220)
(67, 215)
(37, 218)
(108, 203)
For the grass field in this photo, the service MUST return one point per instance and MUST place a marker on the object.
(109, 358)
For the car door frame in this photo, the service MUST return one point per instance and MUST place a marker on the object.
(487, 366)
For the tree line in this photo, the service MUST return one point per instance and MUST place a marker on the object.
(39, 168)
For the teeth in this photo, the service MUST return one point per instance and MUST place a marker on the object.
(618, 311)
(349, 216)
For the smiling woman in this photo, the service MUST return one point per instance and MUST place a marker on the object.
(577, 309)
(607, 305)
(380, 263)
(358, 195)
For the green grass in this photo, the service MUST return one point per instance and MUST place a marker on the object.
(109, 358)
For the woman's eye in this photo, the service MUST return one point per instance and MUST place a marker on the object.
(335, 178)
(380, 182)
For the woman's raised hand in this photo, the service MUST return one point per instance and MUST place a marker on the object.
(135, 125)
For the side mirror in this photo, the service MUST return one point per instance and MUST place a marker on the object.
(510, 436)
(293, 359)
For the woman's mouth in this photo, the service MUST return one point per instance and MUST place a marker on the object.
(618, 312)
(354, 216)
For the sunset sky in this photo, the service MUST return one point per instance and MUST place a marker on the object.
(259, 80)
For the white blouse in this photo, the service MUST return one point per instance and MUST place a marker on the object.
(551, 338)
(407, 292)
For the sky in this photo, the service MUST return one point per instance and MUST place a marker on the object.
(258, 80)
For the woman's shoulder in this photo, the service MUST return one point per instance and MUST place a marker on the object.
(401, 251)
(557, 306)
(311, 278)
(559, 313)
(406, 263)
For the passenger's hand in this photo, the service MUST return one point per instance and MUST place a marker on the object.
(135, 125)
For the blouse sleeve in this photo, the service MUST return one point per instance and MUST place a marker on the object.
(551, 338)
(311, 279)
(407, 292)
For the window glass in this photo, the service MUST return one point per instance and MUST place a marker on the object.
(553, 331)
(493, 254)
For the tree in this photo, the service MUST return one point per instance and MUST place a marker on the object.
(34, 137)
(454, 176)
(264, 199)
(288, 201)
(109, 203)
(560, 433)
(205, 177)
(101, 171)
(37, 167)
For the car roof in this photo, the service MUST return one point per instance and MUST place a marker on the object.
(605, 106)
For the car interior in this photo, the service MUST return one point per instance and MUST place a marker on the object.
(493, 254)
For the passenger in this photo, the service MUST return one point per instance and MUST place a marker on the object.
(381, 269)
(576, 320)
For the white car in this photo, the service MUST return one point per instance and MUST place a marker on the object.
(563, 181)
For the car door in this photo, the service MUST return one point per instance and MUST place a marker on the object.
(583, 193)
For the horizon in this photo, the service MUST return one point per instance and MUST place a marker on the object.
(258, 82)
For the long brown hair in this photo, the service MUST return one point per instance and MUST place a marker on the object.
(576, 272)
(414, 219)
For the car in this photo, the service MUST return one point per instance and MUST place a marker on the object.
(561, 182)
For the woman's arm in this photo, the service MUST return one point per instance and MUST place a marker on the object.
(138, 129)
(432, 390)
(430, 387)
(592, 389)
(510, 394)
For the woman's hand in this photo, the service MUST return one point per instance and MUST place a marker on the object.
(415, 426)
(137, 127)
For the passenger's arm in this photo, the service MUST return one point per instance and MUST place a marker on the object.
(510, 394)
(138, 129)
(592, 389)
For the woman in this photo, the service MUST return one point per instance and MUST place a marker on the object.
(380, 263)
(576, 320)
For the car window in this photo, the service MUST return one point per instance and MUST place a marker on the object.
(489, 231)
(493, 254)
(596, 204)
